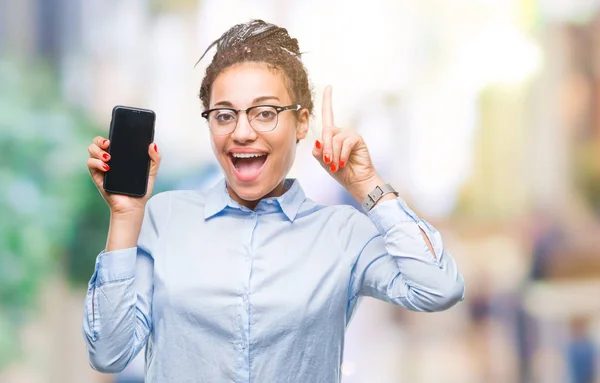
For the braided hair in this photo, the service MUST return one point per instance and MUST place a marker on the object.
(258, 41)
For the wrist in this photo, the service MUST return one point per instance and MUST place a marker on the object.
(360, 190)
(124, 230)
(130, 216)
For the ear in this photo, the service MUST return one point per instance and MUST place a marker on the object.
(302, 124)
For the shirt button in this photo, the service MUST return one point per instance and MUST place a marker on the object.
(245, 297)
(253, 215)
(269, 202)
(243, 345)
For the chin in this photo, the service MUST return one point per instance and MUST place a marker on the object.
(247, 192)
(252, 191)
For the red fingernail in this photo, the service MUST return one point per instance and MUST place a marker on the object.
(332, 167)
(327, 159)
(155, 148)
(106, 167)
(104, 142)
(105, 156)
(317, 144)
(342, 164)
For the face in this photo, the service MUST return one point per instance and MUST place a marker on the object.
(255, 163)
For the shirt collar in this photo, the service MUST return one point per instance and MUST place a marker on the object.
(218, 199)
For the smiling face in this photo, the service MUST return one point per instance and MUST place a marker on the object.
(255, 163)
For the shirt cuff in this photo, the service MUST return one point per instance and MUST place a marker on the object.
(116, 265)
(389, 213)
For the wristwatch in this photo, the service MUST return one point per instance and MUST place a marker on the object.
(373, 197)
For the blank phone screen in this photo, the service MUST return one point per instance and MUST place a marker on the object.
(132, 131)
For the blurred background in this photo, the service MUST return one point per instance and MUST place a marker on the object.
(485, 114)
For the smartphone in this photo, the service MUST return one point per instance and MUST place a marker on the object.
(131, 133)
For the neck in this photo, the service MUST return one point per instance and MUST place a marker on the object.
(278, 191)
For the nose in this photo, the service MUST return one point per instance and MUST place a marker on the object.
(243, 131)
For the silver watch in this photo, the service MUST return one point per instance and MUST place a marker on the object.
(374, 196)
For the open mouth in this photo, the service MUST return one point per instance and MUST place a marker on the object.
(248, 165)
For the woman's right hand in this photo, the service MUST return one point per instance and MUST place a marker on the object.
(119, 204)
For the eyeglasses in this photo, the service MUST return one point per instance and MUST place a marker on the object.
(262, 118)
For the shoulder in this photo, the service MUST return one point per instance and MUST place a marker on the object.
(353, 229)
(164, 203)
(337, 212)
(348, 222)
(170, 197)
(356, 223)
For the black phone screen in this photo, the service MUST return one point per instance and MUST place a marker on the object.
(131, 133)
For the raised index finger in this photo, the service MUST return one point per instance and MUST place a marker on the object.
(327, 117)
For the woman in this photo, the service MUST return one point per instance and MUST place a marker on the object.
(250, 280)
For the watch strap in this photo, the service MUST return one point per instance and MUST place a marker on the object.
(374, 196)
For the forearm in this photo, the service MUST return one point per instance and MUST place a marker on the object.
(111, 326)
(117, 323)
(359, 191)
(112, 330)
(118, 304)
(407, 264)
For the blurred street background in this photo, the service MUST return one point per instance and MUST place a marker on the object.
(485, 114)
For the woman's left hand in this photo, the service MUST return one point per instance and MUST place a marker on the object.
(344, 154)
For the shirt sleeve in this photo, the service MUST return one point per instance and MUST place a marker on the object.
(394, 264)
(118, 304)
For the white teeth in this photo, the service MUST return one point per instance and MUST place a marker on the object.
(247, 155)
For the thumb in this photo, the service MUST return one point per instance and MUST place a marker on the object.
(155, 158)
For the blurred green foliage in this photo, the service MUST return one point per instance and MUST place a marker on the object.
(52, 220)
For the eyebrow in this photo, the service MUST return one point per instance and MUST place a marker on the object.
(256, 101)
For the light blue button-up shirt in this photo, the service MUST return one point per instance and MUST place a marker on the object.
(221, 293)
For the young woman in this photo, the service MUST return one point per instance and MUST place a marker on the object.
(251, 280)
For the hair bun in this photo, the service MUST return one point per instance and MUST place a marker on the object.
(255, 32)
